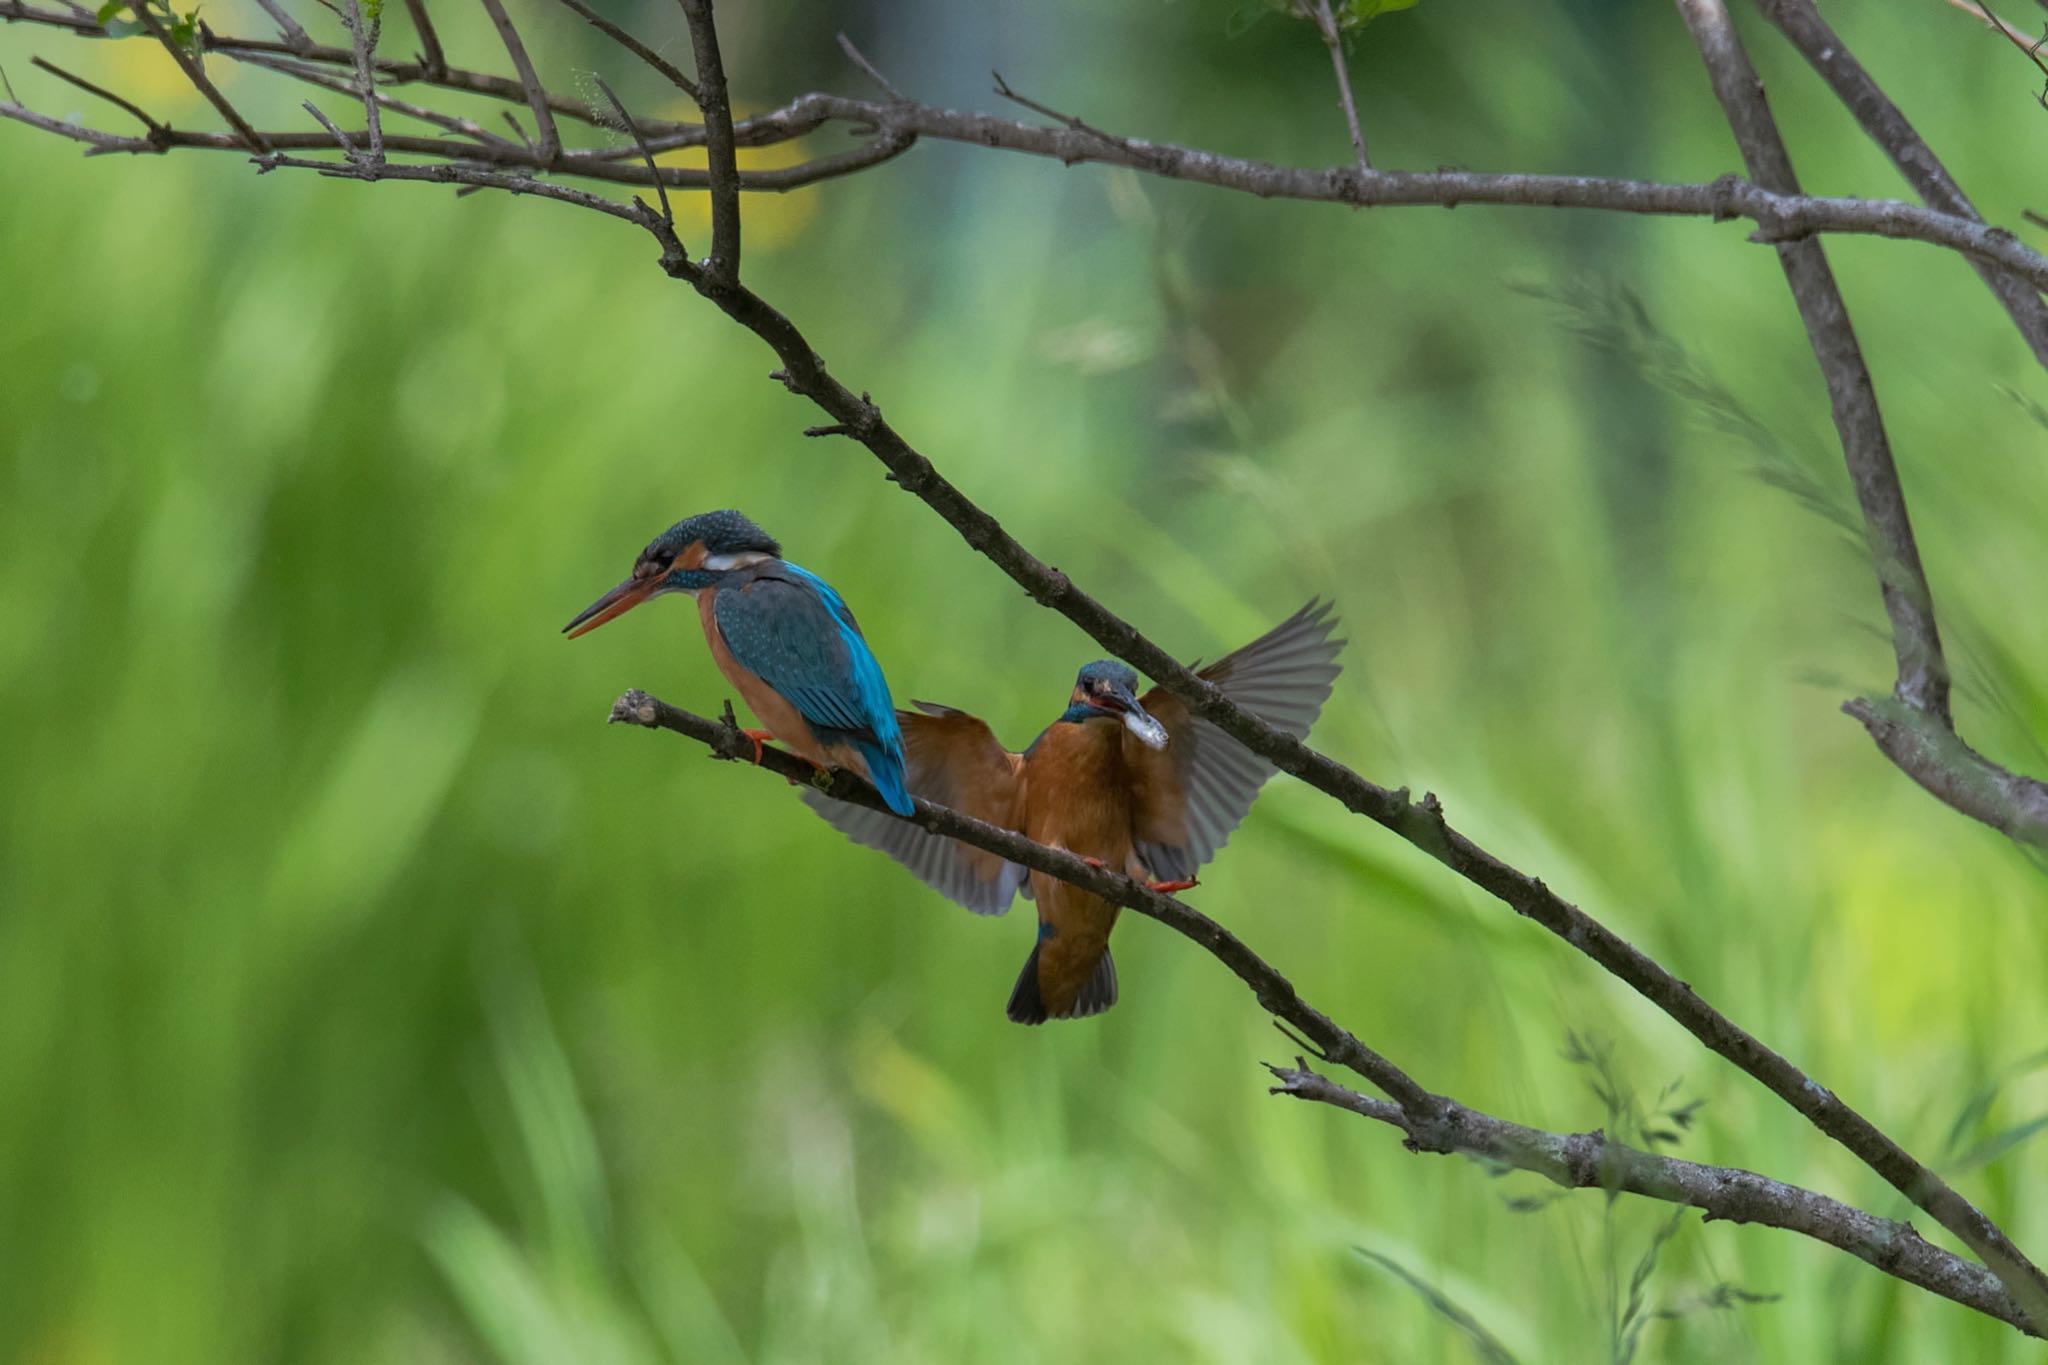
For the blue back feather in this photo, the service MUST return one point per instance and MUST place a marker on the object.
(789, 627)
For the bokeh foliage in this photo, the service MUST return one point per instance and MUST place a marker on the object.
(363, 997)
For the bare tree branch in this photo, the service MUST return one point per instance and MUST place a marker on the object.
(1594, 1161)
(1923, 684)
(1923, 671)
(1889, 128)
(156, 130)
(1778, 217)
(1429, 1122)
(1933, 755)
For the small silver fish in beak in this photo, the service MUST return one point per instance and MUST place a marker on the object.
(1123, 701)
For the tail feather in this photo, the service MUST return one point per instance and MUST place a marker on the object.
(1027, 1002)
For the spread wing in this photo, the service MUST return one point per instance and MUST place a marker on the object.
(953, 759)
(1193, 793)
(792, 630)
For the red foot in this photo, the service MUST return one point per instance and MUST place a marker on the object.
(758, 736)
(1096, 862)
(1168, 887)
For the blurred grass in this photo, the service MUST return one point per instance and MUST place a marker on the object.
(363, 997)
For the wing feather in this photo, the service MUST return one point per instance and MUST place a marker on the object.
(955, 760)
(1197, 790)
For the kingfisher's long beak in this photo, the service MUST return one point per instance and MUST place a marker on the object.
(617, 602)
(1137, 719)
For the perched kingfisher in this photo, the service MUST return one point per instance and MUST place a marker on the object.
(1127, 782)
(782, 636)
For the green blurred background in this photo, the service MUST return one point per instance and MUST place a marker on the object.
(364, 997)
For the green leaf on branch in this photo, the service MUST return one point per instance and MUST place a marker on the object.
(1359, 13)
(184, 29)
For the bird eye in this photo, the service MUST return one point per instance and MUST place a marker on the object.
(657, 563)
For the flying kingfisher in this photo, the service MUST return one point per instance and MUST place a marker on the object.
(782, 636)
(1132, 783)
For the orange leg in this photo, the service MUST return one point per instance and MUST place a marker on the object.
(1187, 884)
(759, 737)
(1096, 862)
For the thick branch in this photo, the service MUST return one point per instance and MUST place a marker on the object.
(1430, 1122)
(1889, 128)
(1924, 743)
(1933, 755)
(1923, 672)
(1594, 1161)
(1923, 684)
(715, 100)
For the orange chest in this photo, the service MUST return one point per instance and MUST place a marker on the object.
(1077, 791)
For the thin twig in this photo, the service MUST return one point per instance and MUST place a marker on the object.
(294, 37)
(853, 54)
(195, 72)
(639, 49)
(715, 100)
(316, 76)
(93, 138)
(156, 130)
(1923, 684)
(341, 139)
(1129, 147)
(431, 56)
(1983, 14)
(520, 132)
(1333, 38)
(536, 97)
(363, 36)
(626, 121)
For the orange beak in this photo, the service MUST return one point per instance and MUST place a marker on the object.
(617, 602)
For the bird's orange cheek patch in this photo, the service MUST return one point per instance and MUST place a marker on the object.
(693, 556)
